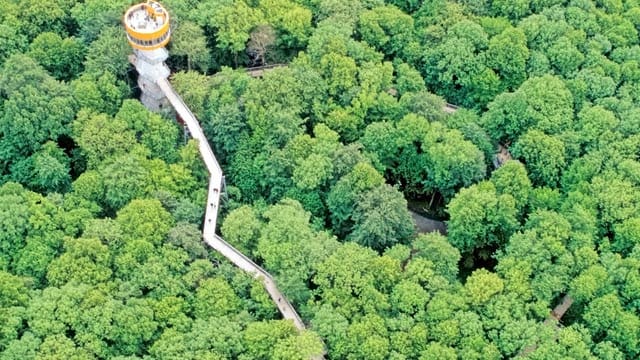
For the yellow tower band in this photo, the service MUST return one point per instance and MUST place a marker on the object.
(147, 26)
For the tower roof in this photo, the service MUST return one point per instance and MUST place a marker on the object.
(147, 26)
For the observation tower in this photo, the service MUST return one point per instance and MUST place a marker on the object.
(148, 32)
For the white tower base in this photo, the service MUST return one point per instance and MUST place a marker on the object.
(151, 68)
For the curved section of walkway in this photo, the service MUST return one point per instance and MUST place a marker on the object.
(213, 201)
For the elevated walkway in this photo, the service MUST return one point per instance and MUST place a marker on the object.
(213, 201)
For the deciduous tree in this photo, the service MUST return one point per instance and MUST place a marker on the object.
(480, 217)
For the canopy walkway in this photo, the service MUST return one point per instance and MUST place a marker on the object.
(213, 201)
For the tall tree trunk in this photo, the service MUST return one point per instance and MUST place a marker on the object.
(433, 195)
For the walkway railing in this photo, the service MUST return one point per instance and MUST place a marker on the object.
(258, 71)
(266, 67)
(450, 108)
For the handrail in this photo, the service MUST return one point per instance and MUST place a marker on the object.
(265, 67)
(257, 71)
(450, 108)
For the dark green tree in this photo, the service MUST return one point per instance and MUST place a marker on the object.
(381, 218)
(480, 217)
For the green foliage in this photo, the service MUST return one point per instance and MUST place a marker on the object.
(37, 16)
(508, 54)
(455, 162)
(215, 297)
(543, 155)
(343, 197)
(91, 26)
(481, 285)
(408, 79)
(273, 108)
(435, 248)
(467, 123)
(106, 260)
(427, 157)
(291, 248)
(83, 261)
(157, 134)
(386, 28)
(542, 253)
(108, 53)
(36, 109)
(351, 286)
(480, 217)
(626, 235)
(511, 178)
(292, 21)
(606, 317)
(189, 41)
(308, 344)
(263, 337)
(101, 137)
(12, 40)
(103, 94)
(241, 228)
(541, 103)
(47, 170)
(225, 118)
(232, 20)
(456, 66)
(194, 88)
(123, 179)
(381, 218)
(565, 56)
(145, 220)
(597, 133)
(61, 57)
(437, 351)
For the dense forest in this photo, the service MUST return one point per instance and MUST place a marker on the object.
(101, 201)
